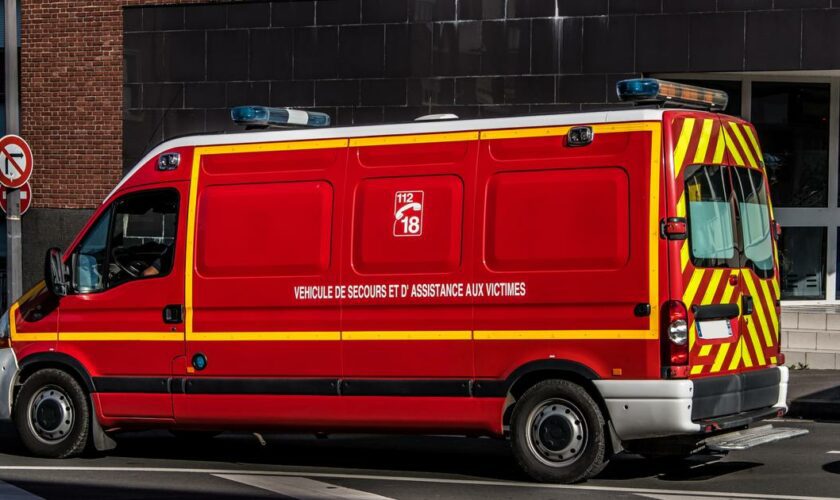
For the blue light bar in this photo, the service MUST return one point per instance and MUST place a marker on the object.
(263, 116)
(653, 91)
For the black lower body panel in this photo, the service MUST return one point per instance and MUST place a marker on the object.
(716, 397)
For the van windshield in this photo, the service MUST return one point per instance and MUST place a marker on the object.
(751, 196)
(710, 217)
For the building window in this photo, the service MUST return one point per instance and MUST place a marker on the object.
(792, 120)
(802, 262)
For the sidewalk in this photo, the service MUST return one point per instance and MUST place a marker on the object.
(814, 394)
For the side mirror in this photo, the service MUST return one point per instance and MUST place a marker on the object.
(54, 272)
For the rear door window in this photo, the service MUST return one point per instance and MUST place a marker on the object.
(711, 217)
(751, 195)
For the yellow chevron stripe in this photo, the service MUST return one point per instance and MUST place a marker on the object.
(759, 309)
(736, 354)
(713, 286)
(697, 369)
(776, 286)
(705, 350)
(703, 143)
(721, 356)
(730, 146)
(755, 144)
(745, 354)
(684, 255)
(681, 205)
(693, 285)
(692, 335)
(737, 131)
(720, 147)
(756, 343)
(727, 293)
(771, 309)
(682, 145)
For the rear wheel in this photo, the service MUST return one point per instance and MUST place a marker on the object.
(558, 433)
(52, 414)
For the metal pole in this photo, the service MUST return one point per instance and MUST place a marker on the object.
(14, 264)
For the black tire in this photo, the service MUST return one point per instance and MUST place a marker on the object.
(45, 429)
(558, 433)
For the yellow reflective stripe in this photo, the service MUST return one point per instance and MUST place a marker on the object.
(682, 145)
(756, 343)
(736, 354)
(771, 308)
(703, 143)
(681, 205)
(419, 335)
(692, 335)
(754, 142)
(730, 146)
(773, 360)
(759, 309)
(523, 133)
(697, 369)
(563, 334)
(693, 285)
(684, 255)
(745, 354)
(721, 355)
(705, 350)
(262, 336)
(737, 131)
(719, 148)
(713, 287)
(32, 292)
(121, 336)
(727, 292)
(269, 147)
(393, 140)
(34, 337)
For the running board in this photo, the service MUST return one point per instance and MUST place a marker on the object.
(747, 438)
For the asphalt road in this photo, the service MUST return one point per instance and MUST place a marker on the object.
(156, 465)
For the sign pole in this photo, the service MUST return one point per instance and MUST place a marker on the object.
(14, 264)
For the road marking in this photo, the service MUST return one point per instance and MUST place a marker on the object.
(301, 487)
(684, 497)
(833, 452)
(12, 492)
(409, 479)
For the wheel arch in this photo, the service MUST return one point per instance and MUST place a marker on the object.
(57, 360)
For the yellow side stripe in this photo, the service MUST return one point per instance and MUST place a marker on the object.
(420, 335)
(121, 336)
(393, 140)
(703, 143)
(564, 334)
(262, 336)
(523, 133)
(270, 147)
(682, 145)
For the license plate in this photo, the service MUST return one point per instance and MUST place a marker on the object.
(717, 329)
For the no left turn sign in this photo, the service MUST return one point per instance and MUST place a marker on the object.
(15, 161)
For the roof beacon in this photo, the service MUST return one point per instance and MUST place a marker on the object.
(669, 94)
(263, 117)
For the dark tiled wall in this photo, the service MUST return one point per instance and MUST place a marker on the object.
(367, 61)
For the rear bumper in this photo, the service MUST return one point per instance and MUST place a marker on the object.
(8, 375)
(642, 409)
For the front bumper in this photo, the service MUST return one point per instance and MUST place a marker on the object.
(8, 376)
(642, 409)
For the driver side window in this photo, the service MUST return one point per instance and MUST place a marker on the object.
(133, 239)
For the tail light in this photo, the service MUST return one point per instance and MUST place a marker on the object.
(674, 340)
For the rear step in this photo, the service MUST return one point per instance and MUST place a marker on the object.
(747, 438)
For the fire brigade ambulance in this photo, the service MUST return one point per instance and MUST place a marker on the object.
(581, 284)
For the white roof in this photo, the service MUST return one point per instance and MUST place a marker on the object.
(421, 127)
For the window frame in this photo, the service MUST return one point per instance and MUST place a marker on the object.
(109, 212)
(701, 262)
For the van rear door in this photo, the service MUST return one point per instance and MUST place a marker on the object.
(759, 265)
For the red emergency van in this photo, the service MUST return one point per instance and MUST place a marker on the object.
(580, 283)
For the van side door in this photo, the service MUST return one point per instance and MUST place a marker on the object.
(123, 317)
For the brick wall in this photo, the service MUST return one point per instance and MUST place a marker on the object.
(71, 97)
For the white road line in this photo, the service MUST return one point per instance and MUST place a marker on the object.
(409, 479)
(301, 488)
(11, 492)
(833, 452)
(682, 497)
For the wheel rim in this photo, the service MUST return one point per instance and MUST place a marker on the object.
(51, 414)
(556, 433)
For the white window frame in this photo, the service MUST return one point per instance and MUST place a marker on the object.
(826, 217)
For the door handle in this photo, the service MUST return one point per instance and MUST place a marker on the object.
(173, 314)
(747, 304)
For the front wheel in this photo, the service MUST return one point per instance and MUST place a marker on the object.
(558, 433)
(52, 414)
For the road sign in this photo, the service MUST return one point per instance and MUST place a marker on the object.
(25, 199)
(15, 161)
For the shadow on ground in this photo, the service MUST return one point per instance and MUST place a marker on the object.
(823, 405)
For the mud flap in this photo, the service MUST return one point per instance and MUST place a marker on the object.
(101, 440)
